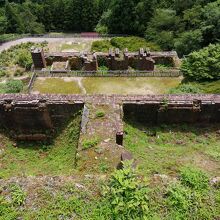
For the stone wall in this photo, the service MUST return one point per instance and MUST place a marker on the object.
(173, 111)
(35, 119)
(115, 59)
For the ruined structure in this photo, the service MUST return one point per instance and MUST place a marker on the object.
(142, 60)
(34, 117)
(38, 58)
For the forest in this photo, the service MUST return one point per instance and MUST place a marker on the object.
(182, 25)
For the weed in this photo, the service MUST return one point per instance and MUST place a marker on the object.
(194, 178)
(86, 144)
(100, 114)
(18, 196)
(127, 196)
(103, 167)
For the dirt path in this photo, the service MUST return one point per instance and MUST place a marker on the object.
(7, 45)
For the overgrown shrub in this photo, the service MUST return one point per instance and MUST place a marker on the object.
(127, 195)
(101, 45)
(185, 88)
(133, 43)
(13, 86)
(203, 65)
(24, 59)
(190, 198)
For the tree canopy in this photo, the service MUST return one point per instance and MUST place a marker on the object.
(182, 25)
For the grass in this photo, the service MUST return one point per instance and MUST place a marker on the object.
(104, 85)
(123, 85)
(56, 86)
(166, 149)
(56, 158)
(132, 43)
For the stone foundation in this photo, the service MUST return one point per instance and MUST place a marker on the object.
(35, 117)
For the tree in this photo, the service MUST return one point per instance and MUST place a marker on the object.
(203, 65)
(211, 24)
(29, 20)
(123, 16)
(14, 23)
(161, 28)
(188, 41)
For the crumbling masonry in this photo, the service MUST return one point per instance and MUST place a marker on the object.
(142, 60)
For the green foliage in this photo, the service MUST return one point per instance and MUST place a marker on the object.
(188, 41)
(132, 43)
(100, 114)
(127, 195)
(6, 210)
(86, 144)
(101, 45)
(2, 73)
(203, 65)
(185, 88)
(54, 158)
(13, 86)
(24, 59)
(162, 27)
(189, 198)
(194, 178)
(18, 196)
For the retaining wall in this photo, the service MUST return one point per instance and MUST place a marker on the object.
(35, 117)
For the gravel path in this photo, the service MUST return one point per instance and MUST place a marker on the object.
(7, 45)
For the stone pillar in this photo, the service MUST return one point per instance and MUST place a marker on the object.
(38, 58)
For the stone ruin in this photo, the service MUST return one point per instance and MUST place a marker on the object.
(34, 117)
(142, 60)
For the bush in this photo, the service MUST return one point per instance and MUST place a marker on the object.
(185, 88)
(24, 59)
(13, 86)
(101, 46)
(133, 43)
(203, 65)
(127, 196)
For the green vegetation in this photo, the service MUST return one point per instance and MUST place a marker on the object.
(54, 158)
(19, 56)
(166, 149)
(101, 45)
(100, 114)
(132, 85)
(212, 87)
(18, 196)
(124, 196)
(56, 86)
(11, 86)
(185, 88)
(203, 65)
(132, 43)
(180, 25)
(127, 194)
(86, 144)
